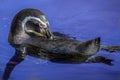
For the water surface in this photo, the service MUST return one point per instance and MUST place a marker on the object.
(83, 19)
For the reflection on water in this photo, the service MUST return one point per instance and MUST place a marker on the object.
(81, 19)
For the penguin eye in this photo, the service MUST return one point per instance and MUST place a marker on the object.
(42, 26)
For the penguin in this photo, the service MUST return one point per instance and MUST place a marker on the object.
(30, 35)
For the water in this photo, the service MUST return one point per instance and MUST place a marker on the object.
(83, 19)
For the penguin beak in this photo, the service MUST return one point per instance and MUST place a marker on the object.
(49, 35)
(44, 29)
(46, 33)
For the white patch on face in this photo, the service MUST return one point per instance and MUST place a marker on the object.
(44, 18)
(34, 18)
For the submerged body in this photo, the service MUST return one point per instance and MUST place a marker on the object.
(30, 35)
(60, 50)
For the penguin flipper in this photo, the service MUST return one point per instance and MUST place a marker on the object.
(99, 59)
(110, 48)
(14, 61)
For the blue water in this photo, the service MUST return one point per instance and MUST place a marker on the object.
(83, 19)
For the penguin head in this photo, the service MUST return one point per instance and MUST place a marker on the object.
(29, 23)
(35, 26)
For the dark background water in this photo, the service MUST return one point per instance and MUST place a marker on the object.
(83, 19)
